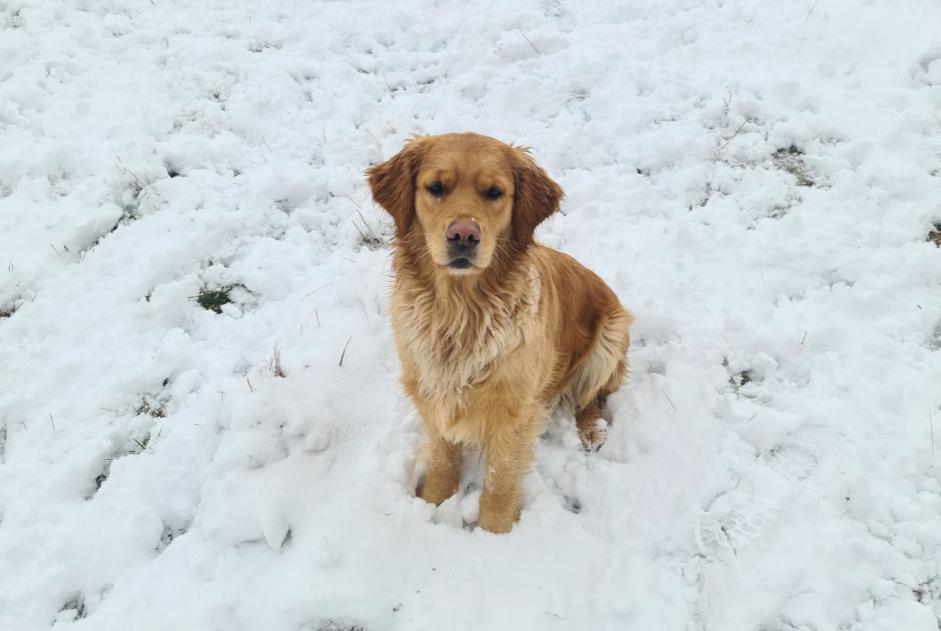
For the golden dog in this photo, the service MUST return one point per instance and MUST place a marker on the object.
(492, 329)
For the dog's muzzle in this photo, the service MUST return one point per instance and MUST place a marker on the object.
(463, 238)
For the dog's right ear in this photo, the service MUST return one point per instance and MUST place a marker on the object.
(393, 184)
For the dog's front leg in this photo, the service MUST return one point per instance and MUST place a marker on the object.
(509, 451)
(443, 460)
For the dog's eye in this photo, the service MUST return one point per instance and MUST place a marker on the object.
(493, 193)
(435, 188)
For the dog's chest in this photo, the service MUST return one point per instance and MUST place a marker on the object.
(455, 345)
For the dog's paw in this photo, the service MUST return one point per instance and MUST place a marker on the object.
(495, 523)
(497, 515)
(435, 490)
(595, 436)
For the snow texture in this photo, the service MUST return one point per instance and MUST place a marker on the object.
(200, 423)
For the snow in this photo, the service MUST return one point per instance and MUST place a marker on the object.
(755, 180)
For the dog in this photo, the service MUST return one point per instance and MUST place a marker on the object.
(492, 329)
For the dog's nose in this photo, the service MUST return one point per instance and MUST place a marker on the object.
(463, 232)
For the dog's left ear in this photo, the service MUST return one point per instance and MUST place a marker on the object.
(393, 184)
(537, 196)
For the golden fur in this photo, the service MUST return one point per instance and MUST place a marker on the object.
(488, 348)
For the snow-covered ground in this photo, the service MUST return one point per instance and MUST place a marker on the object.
(757, 181)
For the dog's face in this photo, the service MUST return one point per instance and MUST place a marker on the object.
(463, 202)
(469, 196)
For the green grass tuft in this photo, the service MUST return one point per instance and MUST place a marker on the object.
(213, 299)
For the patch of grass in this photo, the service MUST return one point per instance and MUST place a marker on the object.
(934, 235)
(213, 299)
(142, 444)
(790, 160)
(369, 238)
(742, 379)
(150, 406)
(739, 379)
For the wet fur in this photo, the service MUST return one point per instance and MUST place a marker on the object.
(486, 356)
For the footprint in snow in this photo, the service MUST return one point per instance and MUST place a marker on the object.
(719, 534)
(716, 537)
(792, 461)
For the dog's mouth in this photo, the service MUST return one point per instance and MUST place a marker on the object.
(460, 263)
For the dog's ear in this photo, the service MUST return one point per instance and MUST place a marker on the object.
(536, 196)
(393, 184)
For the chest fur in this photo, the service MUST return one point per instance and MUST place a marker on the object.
(456, 340)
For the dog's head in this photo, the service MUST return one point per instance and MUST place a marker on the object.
(468, 195)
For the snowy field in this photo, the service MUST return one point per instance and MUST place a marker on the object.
(200, 423)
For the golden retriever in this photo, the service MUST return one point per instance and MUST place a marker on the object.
(492, 329)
